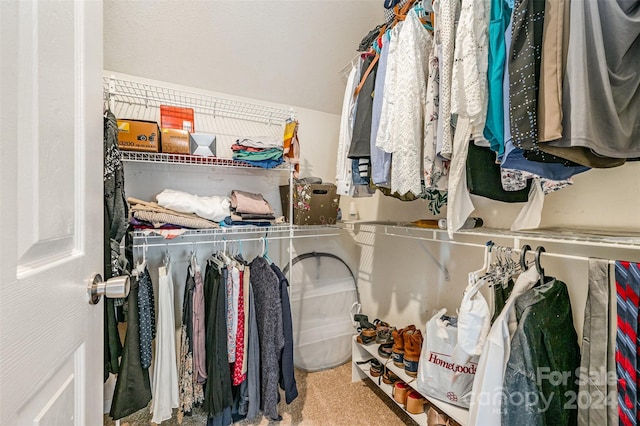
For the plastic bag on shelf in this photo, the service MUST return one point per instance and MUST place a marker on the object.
(438, 375)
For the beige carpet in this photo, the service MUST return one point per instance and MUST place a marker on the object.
(325, 398)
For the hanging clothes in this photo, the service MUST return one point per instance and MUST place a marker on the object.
(237, 374)
(165, 367)
(555, 40)
(598, 350)
(380, 160)
(343, 163)
(360, 141)
(387, 109)
(471, 60)
(250, 398)
(407, 127)
(217, 396)
(524, 71)
(544, 342)
(287, 376)
(147, 314)
(268, 310)
(435, 168)
(500, 18)
(133, 390)
(190, 391)
(602, 85)
(116, 211)
(485, 407)
(627, 359)
(447, 13)
(199, 333)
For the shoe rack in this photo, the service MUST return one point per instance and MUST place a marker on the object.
(361, 352)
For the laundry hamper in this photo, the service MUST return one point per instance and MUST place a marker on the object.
(322, 292)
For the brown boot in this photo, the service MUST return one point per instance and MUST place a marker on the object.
(412, 347)
(398, 345)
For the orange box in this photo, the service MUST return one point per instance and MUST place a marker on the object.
(172, 117)
(175, 141)
(138, 135)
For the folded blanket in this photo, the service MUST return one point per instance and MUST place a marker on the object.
(267, 154)
(214, 208)
(262, 142)
(248, 202)
(158, 215)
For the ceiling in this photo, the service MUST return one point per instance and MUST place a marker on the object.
(288, 52)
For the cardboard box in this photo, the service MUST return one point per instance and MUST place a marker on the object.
(138, 135)
(175, 141)
(203, 144)
(172, 117)
(313, 204)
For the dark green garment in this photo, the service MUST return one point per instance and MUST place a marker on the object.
(133, 390)
(544, 360)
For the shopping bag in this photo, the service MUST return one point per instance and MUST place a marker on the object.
(438, 375)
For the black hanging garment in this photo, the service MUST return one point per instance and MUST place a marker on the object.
(287, 377)
(115, 226)
(133, 390)
(217, 394)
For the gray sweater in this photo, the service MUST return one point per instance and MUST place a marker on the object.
(268, 309)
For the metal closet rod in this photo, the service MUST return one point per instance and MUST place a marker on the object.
(235, 240)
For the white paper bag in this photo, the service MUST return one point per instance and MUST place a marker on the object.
(438, 375)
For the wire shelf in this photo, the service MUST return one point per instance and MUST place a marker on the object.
(219, 234)
(196, 160)
(136, 93)
(615, 239)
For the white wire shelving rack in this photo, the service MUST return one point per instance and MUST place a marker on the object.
(193, 160)
(233, 234)
(572, 239)
(118, 90)
(148, 97)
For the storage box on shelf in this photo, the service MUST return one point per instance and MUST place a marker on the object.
(364, 352)
(313, 204)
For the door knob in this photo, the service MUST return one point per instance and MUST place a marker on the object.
(114, 287)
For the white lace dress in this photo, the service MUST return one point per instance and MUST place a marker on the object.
(471, 60)
(407, 126)
(446, 12)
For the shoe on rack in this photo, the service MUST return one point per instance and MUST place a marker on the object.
(376, 367)
(363, 320)
(415, 403)
(366, 336)
(398, 345)
(436, 418)
(412, 347)
(384, 335)
(400, 391)
(389, 377)
(384, 350)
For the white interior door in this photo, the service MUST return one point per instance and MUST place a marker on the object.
(50, 212)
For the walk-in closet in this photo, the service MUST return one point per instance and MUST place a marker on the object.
(402, 212)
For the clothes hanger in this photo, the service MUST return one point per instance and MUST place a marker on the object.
(539, 267)
(265, 250)
(523, 254)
